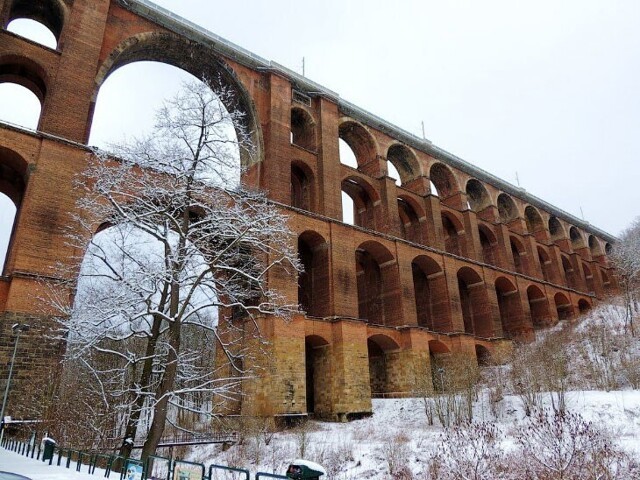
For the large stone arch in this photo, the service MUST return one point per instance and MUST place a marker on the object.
(378, 284)
(303, 186)
(576, 237)
(563, 306)
(303, 129)
(13, 183)
(412, 219)
(507, 208)
(533, 219)
(25, 72)
(444, 180)
(314, 282)
(538, 307)
(365, 199)
(545, 263)
(489, 244)
(405, 162)
(453, 233)
(383, 353)
(477, 195)
(198, 60)
(519, 255)
(474, 303)
(359, 140)
(556, 230)
(50, 13)
(569, 272)
(595, 246)
(318, 375)
(431, 294)
(510, 307)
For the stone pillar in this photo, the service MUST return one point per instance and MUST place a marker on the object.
(329, 171)
(350, 380)
(68, 105)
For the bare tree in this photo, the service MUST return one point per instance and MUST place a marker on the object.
(187, 252)
(626, 259)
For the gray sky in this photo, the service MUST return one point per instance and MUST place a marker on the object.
(547, 89)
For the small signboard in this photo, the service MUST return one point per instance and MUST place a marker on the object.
(188, 471)
(133, 472)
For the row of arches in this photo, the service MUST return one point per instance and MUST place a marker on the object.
(439, 306)
(360, 196)
(513, 252)
(362, 200)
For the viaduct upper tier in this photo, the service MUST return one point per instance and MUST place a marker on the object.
(450, 259)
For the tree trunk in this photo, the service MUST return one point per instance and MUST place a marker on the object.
(145, 380)
(162, 398)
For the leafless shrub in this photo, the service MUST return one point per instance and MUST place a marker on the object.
(395, 450)
(468, 452)
(562, 445)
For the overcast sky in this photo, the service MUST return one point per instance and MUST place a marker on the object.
(547, 89)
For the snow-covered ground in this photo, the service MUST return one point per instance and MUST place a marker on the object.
(399, 428)
(362, 448)
(14, 463)
(398, 432)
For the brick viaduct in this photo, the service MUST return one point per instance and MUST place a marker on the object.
(452, 259)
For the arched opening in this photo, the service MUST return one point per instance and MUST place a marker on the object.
(313, 283)
(23, 90)
(363, 197)
(577, 241)
(563, 306)
(483, 356)
(359, 142)
(393, 174)
(452, 231)
(507, 210)
(606, 282)
(433, 189)
(569, 273)
(477, 195)
(128, 108)
(594, 247)
(545, 263)
(303, 132)
(378, 284)
(438, 353)
(19, 106)
(410, 226)
(126, 101)
(404, 163)
(302, 192)
(318, 374)
(588, 276)
(489, 245)
(519, 255)
(48, 14)
(7, 221)
(535, 224)
(347, 156)
(608, 249)
(474, 303)
(539, 307)
(443, 180)
(510, 307)
(555, 229)
(583, 306)
(431, 295)
(384, 356)
(13, 183)
(34, 31)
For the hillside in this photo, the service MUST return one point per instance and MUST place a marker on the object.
(594, 364)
